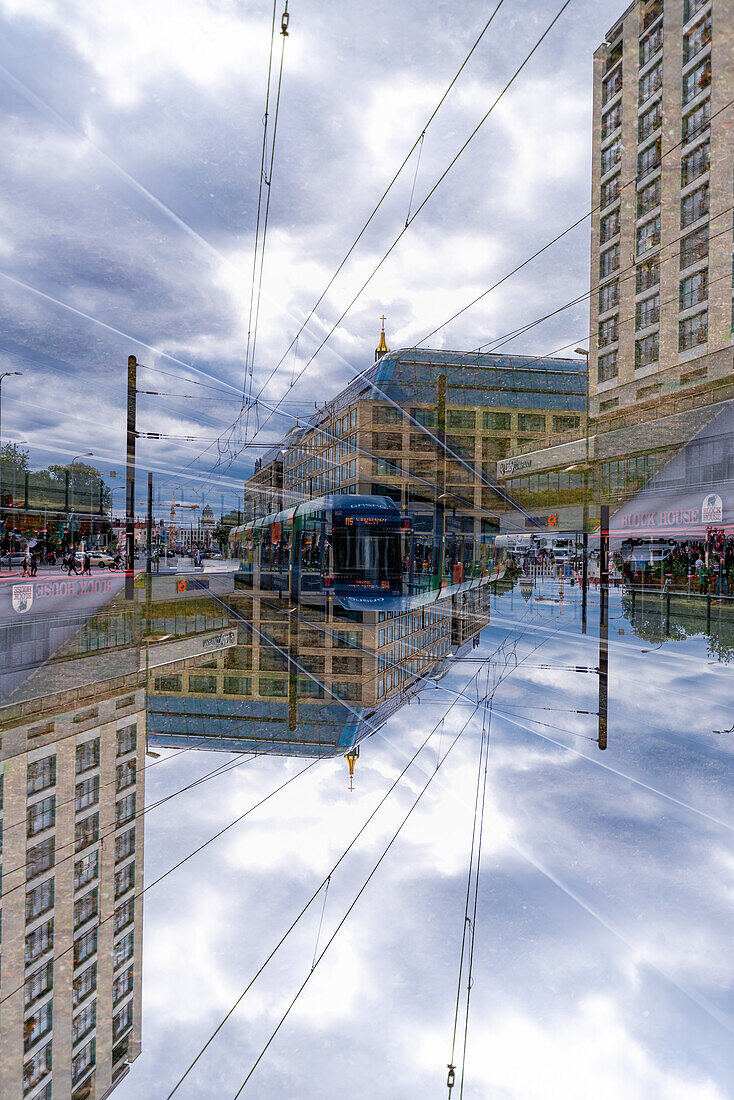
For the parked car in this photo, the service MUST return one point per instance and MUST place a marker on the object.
(16, 557)
(216, 556)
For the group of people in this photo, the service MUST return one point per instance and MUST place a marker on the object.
(711, 560)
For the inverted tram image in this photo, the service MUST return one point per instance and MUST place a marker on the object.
(358, 548)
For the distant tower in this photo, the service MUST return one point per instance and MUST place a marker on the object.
(351, 759)
(382, 348)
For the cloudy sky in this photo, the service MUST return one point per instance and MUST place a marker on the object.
(603, 962)
(131, 142)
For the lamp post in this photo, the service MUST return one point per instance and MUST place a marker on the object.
(585, 519)
(5, 374)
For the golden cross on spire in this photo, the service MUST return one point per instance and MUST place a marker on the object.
(383, 319)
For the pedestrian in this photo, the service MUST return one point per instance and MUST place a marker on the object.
(26, 564)
(87, 559)
(701, 570)
(72, 563)
(34, 565)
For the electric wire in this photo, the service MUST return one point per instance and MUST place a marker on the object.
(185, 859)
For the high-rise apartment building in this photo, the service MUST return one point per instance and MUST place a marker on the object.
(71, 799)
(662, 194)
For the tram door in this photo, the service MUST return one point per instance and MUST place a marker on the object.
(312, 555)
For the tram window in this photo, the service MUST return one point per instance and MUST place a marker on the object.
(367, 553)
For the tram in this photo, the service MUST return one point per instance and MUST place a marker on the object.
(359, 548)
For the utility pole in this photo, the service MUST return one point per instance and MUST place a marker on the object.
(132, 366)
(585, 519)
(603, 625)
(149, 531)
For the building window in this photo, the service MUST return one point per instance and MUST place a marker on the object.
(123, 950)
(36, 1068)
(694, 206)
(648, 198)
(124, 845)
(611, 121)
(122, 1021)
(649, 46)
(36, 1026)
(646, 350)
(87, 793)
(39, 900)
(127, 740)
(608, 299)
(607, 367)
(85, 946)
(693, 331)
(651, 82)
(611, 85)
(609, 261)
(272, 689)
(496, 421)
(694, 247)
(39, 941)
(696, 39)
(649, 159)
(87, 756)
(647, 275)
(86, 907)
(425, 417)
(648, 312)
(695, 164)
(203, 685)
(125, 775)
(86, 832)
(124, 810)
(610, 190)
(609, 226)
(40, 858)
(697, 80)
(382, 414)
(690, 7)
(122, 985)
(83, 1062)
(530, 422)
(565, 423)
(86, 870)
(649, 122)
(83, 1023)
(39, 983)
(696, 122)
(648, 235)
(41, 815)
(610, 156)
(167, 683)
(85, 984)
(41, 774)
(694, 289)
(608, 334)
(461, 419)
(237, 685)
(124, 915)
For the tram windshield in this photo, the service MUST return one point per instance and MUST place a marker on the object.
(367, 555)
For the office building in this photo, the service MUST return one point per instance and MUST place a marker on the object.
(662, 192)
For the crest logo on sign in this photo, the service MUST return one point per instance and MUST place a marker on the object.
(712, 509)
(22, 597)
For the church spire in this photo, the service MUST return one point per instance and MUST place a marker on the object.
(382, 348)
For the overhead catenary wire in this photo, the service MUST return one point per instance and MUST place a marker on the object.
(434, 188)
(266, 180)
(185, 859)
